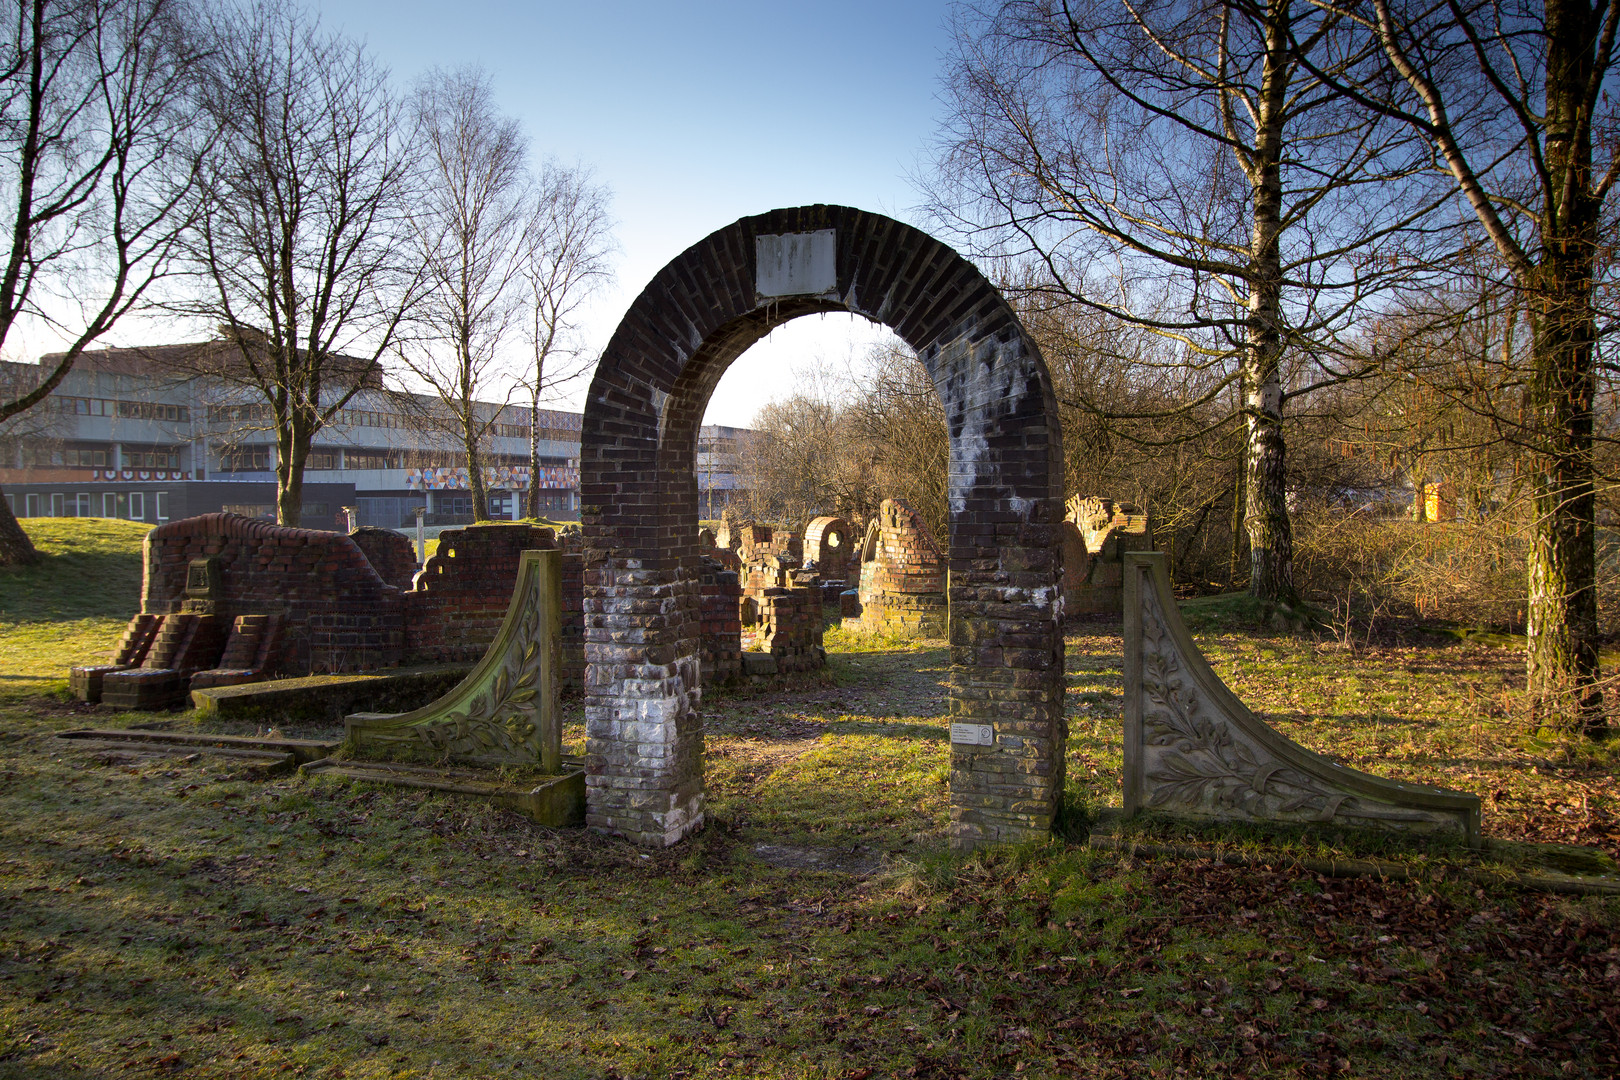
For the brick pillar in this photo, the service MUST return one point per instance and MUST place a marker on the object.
(644, 736)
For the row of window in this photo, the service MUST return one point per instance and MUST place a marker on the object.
(124, 410)
(101, 457)
(557, 428)
(369, 418)
(262, 459)
(561, 427)
(129, 505)
(250, 414)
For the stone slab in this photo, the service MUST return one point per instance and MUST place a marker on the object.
(556, 801)
(327, 699)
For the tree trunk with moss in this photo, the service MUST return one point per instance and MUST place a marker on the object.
(1547, 233)
(1561, 656)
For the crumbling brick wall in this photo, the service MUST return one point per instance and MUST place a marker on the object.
(902, 582)
(463, 591)
(709, 547)
(339, 615)
(790, 628)
(1096, 532)
(722, 624)
(339, 612)
(391, 554)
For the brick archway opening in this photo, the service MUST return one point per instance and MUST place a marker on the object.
(639, 495)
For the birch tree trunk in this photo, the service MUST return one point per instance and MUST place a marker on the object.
(1271, 536)
(532, 496)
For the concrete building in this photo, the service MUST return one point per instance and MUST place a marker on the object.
(136, 434)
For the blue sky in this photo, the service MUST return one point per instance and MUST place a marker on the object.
(696, 115)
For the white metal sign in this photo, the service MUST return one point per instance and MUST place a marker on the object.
(973, 734)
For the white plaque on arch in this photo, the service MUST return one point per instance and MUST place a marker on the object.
(796, 264)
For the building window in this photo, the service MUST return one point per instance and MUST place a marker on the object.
(109, 504)
(57, 509)
(83, 508)
(132, 410)
(369, 418)
(153, 410)
(151, 458)
(226, 414)
(137, 506)
(322, 460)
(369, 459)
(243, 458)
(160, 504)
(82, 457)
(31, 505)
(252, 510)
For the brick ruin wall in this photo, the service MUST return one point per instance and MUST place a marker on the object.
(790, 629)
(267, 569)
(902, 579)
(391, 554)
(720, 598)
(464, 589)
(1096, 533)
(341, 614)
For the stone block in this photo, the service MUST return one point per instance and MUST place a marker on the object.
(758, 663)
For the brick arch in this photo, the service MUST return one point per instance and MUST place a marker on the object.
(639, 499)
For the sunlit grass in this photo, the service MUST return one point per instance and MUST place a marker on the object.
(72, 607)
(169, 916)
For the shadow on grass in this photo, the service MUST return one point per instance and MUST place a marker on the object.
(924, 732)
(1329, 721)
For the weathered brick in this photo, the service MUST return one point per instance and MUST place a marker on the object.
(640, 525)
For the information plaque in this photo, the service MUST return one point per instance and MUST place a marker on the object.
(973, 734)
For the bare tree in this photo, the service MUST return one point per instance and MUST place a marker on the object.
(568, 248)
(1177, 166)
(899, 417)
(297, 252)
(94, 168)
(805, 456)
(472, 224)
(1516, 99)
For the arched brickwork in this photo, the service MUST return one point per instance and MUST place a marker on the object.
(829, 541)
(640, 507)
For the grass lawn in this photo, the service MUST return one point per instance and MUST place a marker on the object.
(72, 607)
(168, 917)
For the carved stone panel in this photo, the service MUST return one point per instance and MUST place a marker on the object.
(505, 711)
(1192, 749)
